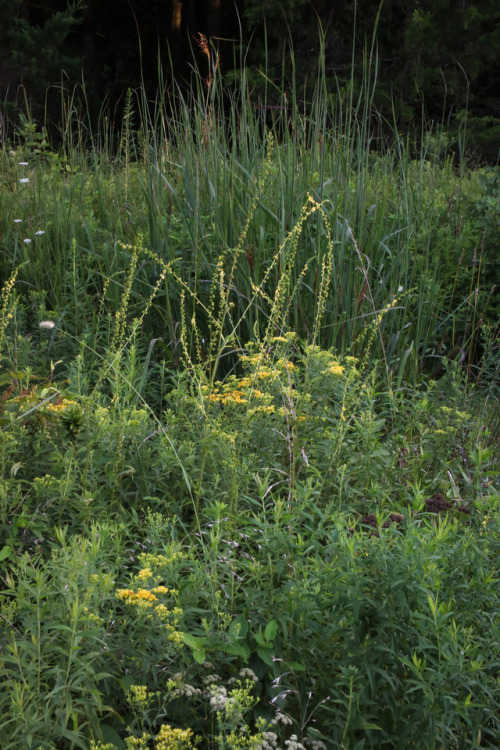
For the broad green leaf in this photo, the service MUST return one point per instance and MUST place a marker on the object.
(270, 630)
(234, 650)
(5, 552)
(239, 627)
(261, 641)
(199, 655)
(266, 656)
(192, 642)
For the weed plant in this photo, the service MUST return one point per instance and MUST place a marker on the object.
(235, 509)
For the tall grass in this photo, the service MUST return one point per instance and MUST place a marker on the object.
(216, 180)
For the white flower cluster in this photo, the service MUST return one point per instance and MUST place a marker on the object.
(294, 744)
(183, 688)
(315, 745)
(281, 718)
(243, 674)
(218, 697)
(189, 691)
(210, 679)
(249, 674)
(269, 741)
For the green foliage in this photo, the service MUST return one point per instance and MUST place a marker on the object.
(235, 511)
(242, 550)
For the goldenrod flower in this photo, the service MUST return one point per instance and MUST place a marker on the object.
(160, 590)
(173, 739)
(335, 369)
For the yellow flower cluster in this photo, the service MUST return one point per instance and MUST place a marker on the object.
(57, 408)
(270, 409)
(137, 743)
(236, 391)
(174, 739)
(285, 365)
(233, 397)
(252, 359)
(141, 598)
(161, 561)
(139, 695)
(334, 369)
(146, 599)
(162, 590)
(93, 617)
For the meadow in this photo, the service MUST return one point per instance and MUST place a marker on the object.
(249, 476)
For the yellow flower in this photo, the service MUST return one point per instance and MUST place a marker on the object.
(124, 594)
(245, 383)
(142, 598)
(137, 743)
(335, 369)
(262, 410)
(160, 590)
(173, 739)
(146, 595)
(284, 364)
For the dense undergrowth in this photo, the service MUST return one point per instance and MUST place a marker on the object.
(249, 434)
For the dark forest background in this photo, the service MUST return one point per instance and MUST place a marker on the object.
(435, 59)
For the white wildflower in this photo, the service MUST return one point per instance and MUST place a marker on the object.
(24, 179)
(23, 163)
(210, 679)
(315, 744)
(40, 231)
(249, 673)
(218, 697)
(17, 221)
(189, 691)
(27, 241)
(269, 741)
(281, 718)
(294, 744)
